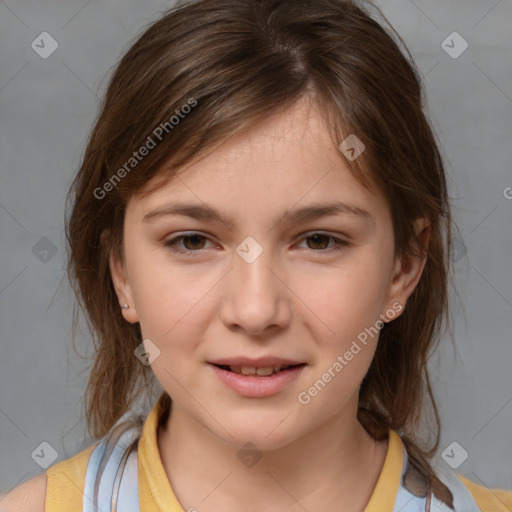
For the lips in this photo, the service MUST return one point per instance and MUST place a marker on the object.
(261, 367)
(262, 371)
(254, 380)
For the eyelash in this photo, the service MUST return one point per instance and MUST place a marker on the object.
(171, 244)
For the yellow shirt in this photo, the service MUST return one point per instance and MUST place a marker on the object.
(66, 479)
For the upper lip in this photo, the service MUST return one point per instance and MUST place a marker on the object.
(260, 362)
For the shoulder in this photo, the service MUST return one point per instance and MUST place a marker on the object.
(59, 488)
(66, 482)
(29, 495)
(489, 500)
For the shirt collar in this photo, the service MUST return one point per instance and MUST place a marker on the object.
(156, 494)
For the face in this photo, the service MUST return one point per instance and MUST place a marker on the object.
(275, 278)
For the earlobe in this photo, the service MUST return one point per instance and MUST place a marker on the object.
(122, 288)
(409, 268)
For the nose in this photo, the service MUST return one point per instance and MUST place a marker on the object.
(256, 298)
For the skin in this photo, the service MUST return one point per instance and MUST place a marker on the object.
(298, 299)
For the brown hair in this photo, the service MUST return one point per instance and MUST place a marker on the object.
(239, 61)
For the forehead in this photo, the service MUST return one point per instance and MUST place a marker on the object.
(287, 160)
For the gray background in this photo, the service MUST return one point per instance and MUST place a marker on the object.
(47, 107)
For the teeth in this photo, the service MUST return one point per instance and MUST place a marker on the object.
(265, 371)
(249, 370)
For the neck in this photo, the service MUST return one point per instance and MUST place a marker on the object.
(335, 464)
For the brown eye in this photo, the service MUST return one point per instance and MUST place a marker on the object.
(188, 244)
(194, 241)
(319, 241)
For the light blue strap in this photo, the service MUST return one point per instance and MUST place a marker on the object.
(405, 500)
(128, 499)
(462, 499)
(90, 476)
(104, 465)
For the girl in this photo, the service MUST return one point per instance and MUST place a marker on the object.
(260, 227)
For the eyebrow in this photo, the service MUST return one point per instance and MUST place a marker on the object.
(295, 216)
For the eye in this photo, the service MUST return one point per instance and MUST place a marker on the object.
(320, 242)
(193, 242)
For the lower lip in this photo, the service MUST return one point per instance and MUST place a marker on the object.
(254, 386)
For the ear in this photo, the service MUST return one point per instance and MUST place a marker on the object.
(408, 270)
(121, 284)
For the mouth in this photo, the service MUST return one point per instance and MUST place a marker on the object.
(257, 378)
(260, 371)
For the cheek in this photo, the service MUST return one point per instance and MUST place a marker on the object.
(343, 360)
(169, 297)
(343, 302)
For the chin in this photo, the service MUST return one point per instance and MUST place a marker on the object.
(264, 429)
